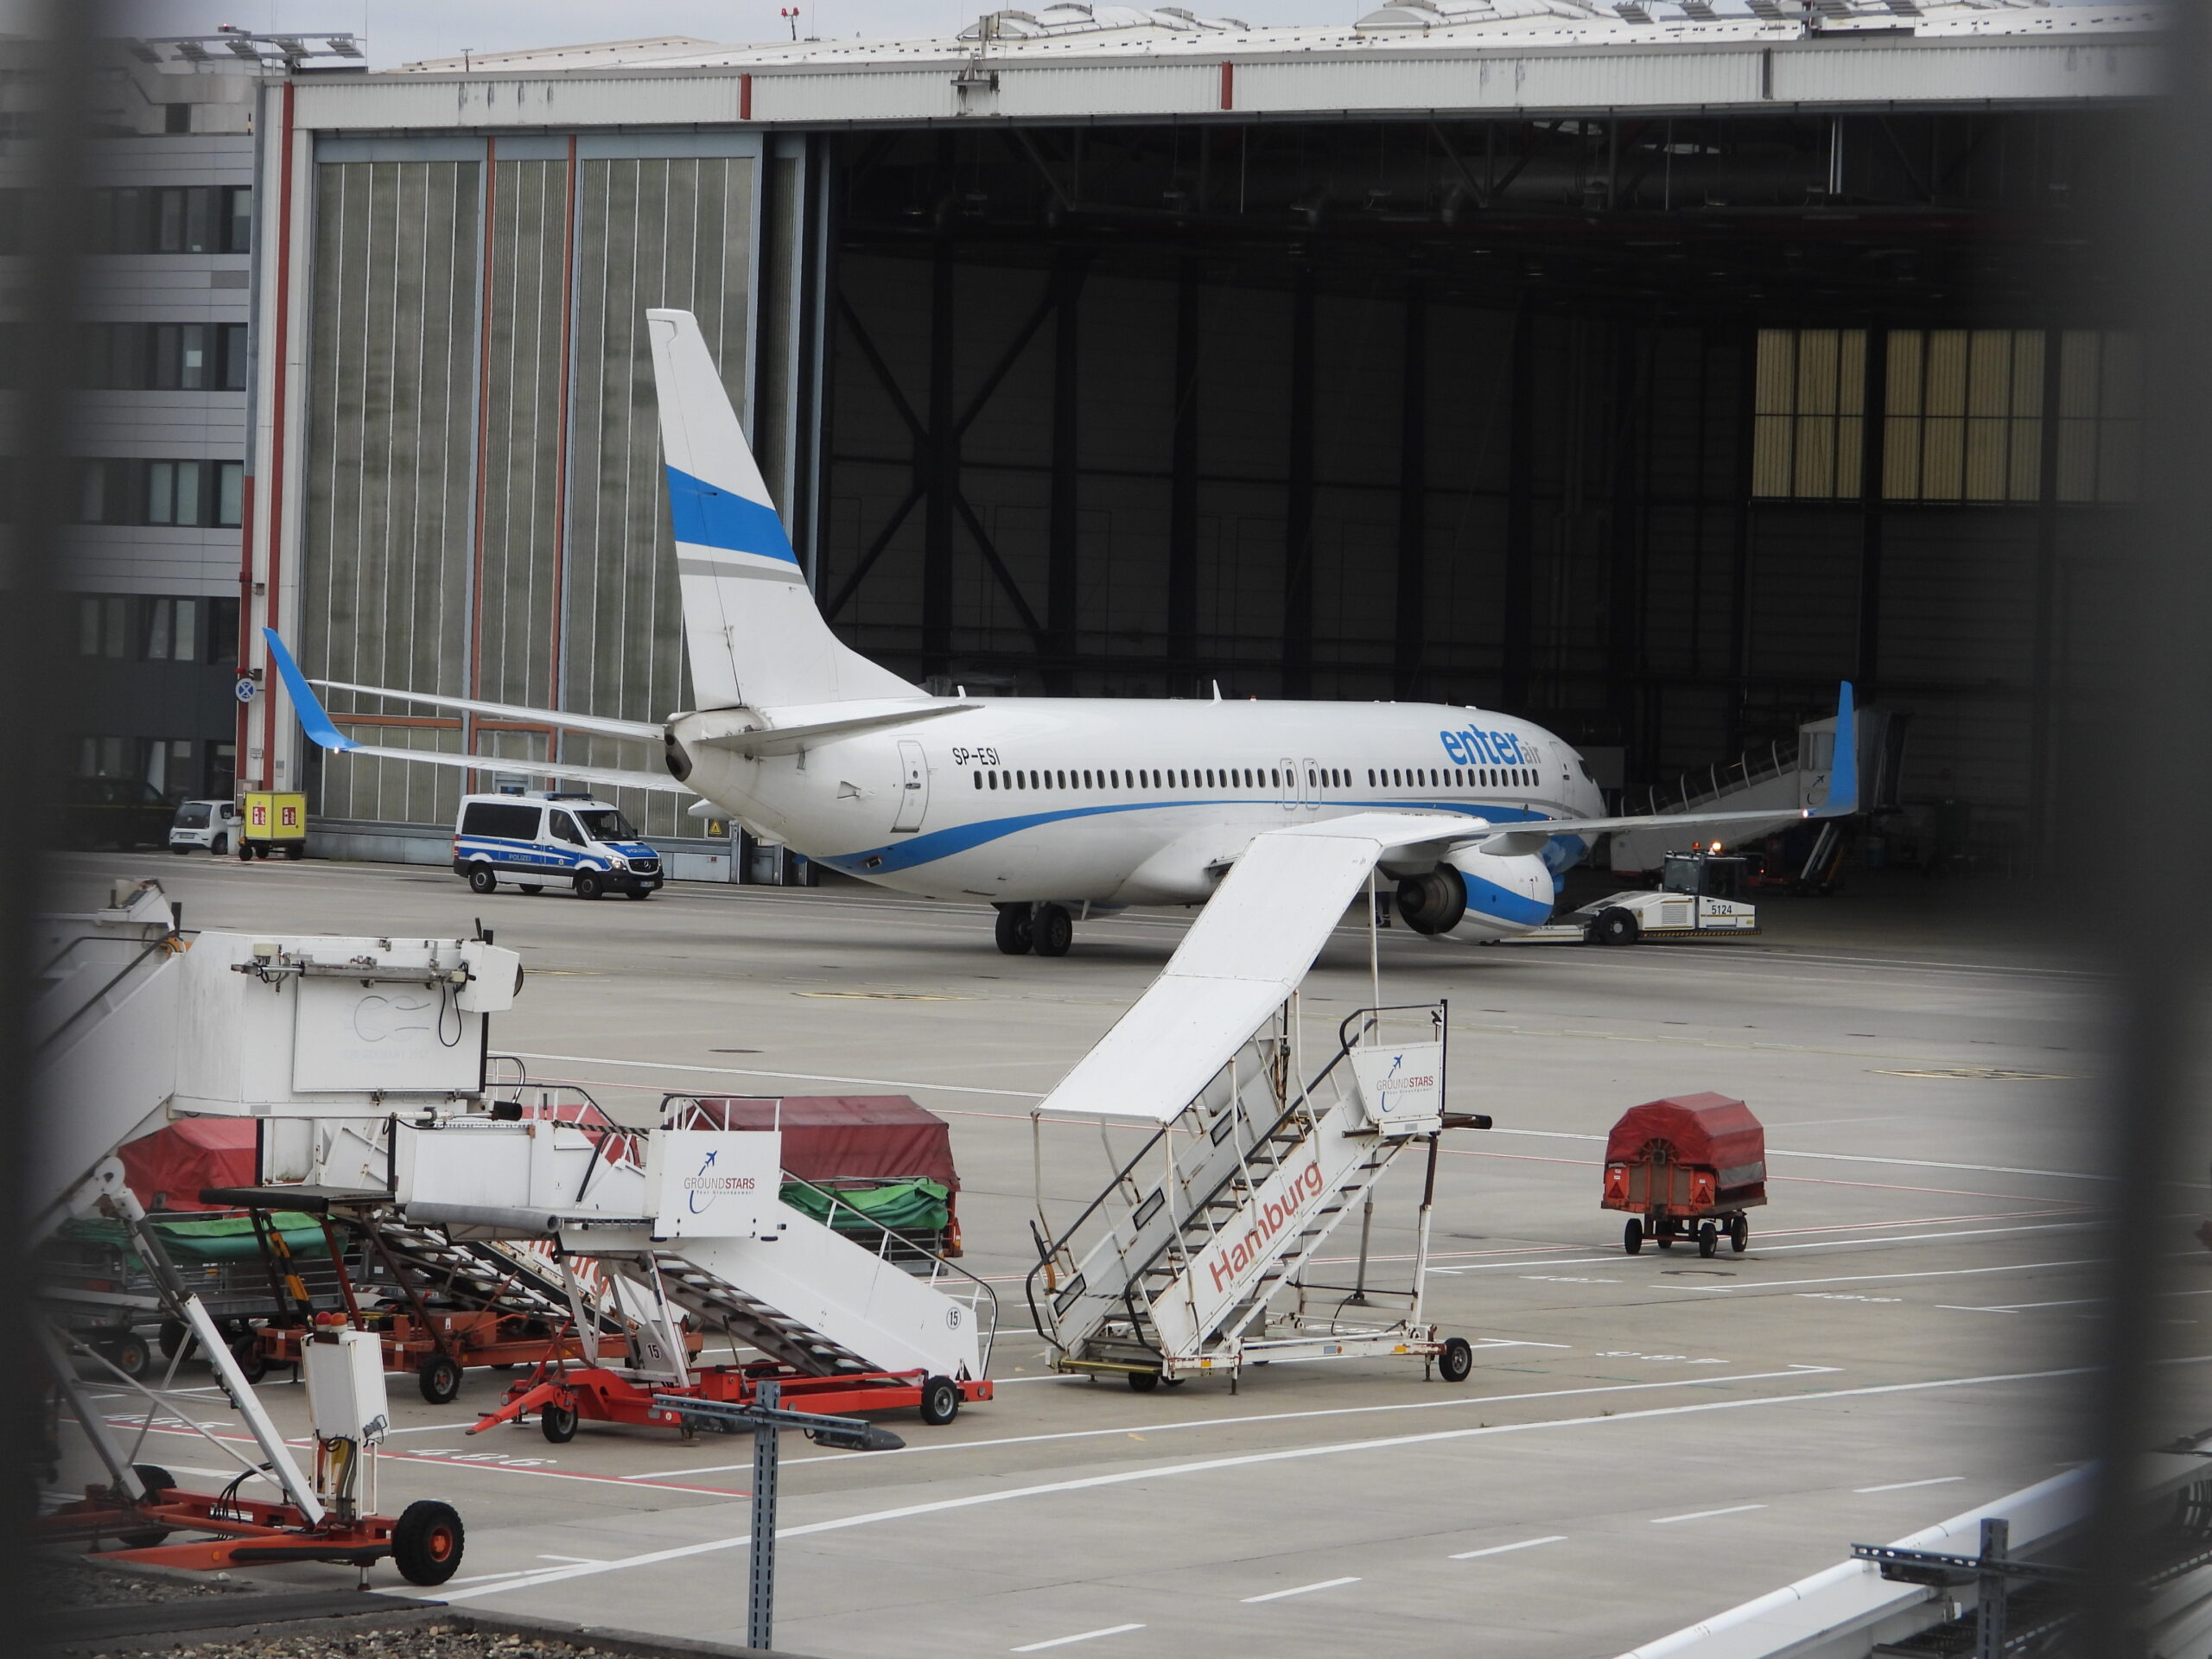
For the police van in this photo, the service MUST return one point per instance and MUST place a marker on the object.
(540, 840)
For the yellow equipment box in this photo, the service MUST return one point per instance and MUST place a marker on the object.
(273, 819)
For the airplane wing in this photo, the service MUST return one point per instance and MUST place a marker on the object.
(324, 733)
(636, 731)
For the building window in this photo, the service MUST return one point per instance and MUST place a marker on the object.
(2099, 415)
(1808, 412)
(190, 493)
(172, 219)
(1963, 415)
(158, 357)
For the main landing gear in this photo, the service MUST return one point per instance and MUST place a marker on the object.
(1048, 930)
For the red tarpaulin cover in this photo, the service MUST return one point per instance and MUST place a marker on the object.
(165, 1169)
(838, 1137)
(1709, 1130)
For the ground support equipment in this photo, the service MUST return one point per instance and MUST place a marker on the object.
(1177, 1267)
(561, 1396)
(1686, 1168)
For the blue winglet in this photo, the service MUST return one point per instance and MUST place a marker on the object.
(1843, 765)
(313, 721)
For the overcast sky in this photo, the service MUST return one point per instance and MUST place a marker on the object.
(401, 31)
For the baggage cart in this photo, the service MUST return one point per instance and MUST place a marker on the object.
(274, 822)
(1686, 1167)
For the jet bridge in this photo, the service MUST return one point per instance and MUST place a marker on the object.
(1200, 1255)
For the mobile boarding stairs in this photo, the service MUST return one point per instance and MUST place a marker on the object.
(1202, 1255)
(366, 1061)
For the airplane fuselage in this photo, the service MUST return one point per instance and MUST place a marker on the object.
(1108, 802)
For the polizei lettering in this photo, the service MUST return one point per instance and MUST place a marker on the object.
(1231, 1260)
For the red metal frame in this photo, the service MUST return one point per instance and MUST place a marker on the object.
(253, 1532)
(598, 1395)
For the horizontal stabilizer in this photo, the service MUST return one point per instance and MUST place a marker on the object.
(322, 731)
(789, 739)
(635, 731)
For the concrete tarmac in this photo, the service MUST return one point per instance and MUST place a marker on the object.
(1644, 1440)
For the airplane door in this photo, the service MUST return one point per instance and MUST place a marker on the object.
(1309, 784)
(913, 787)
(1291, 793)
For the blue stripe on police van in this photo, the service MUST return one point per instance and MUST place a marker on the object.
(707, 517)
(964, 837)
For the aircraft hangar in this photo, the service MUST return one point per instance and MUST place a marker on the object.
(1641, 367)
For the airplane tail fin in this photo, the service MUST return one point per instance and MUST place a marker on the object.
(1842, 797)
(750, 625)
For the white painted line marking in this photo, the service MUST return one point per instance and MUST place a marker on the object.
(1705, 1515)
(1302, 1590)
(789, 1077)
(486, 1578)
(1861, 1157)
(1908, 1485)
(1458, 1401)
(1208, 1465)
(1926, 1273)
(1507, 1549)
(2077, 1301)
(580, 1560)
(1085, 1635)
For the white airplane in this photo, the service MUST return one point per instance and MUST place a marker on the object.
(1047, 807)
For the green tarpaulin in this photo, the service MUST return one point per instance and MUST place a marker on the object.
(915, 1207)
(216, 1238)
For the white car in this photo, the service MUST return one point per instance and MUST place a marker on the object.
(212, 824)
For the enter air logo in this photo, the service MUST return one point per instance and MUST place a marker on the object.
(1471, 747)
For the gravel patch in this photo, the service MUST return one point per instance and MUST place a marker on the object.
(415, 1641)
(61, 1582)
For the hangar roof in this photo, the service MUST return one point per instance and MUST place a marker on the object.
(1078, 62)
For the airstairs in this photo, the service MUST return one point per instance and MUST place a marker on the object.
(1176, 1269)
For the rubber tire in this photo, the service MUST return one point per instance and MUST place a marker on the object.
(1051, 931)
(1457, 1363)
(220, 846)
(1615, 926)
(940, 1400)
(557, 1423)
(154, 1479)
(1739, 1234)
(129, 1354)
(638, 892)
(481, 879)
(296, 850)
(1632, 1237)
(439, 1378)
(533, 888)
(427, 1541)
(1664, 1232)
(252, 1364)
(245, 852)
(1708, 1240)
(1143, 1382)
(588, 885)
(175, 1333)
(1016, 936)
(261, 849)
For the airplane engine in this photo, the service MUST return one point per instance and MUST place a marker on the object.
(1474, 895)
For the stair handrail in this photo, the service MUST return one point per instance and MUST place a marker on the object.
(1347, 1040)
(980, 1299)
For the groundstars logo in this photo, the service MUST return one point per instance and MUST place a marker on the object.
(1403, 1087)
(1228, 1263)
(704, 1187)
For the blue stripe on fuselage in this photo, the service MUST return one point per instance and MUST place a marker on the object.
(945, 843)
(705, 516)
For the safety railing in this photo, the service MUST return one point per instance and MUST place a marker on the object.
(1693, 790)
(955, 1283)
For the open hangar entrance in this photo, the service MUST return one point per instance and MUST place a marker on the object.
(1651, 428)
